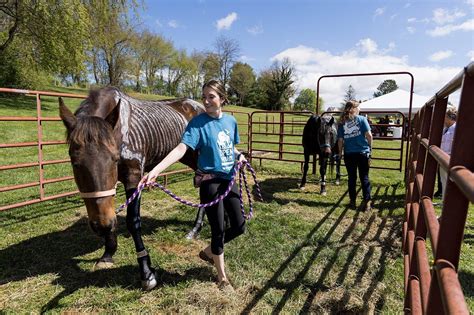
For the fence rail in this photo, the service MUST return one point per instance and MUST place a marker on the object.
(42, 160)
(435, 288)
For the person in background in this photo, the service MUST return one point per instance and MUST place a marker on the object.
(213, 135)
(354, 135)
(447, 140)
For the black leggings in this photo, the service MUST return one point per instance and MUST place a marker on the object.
(209, 191)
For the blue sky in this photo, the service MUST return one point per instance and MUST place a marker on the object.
(433, 40)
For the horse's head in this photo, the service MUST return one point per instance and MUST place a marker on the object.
(327, 134)
(94, 157)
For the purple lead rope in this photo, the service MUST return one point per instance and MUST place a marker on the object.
(238, 169)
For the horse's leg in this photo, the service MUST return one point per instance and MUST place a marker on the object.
(110, 242)
(147, 274)
(322, 171)
(198, 223)
(305, 169)
(338, 168)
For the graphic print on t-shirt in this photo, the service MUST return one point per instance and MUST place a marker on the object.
(226, 151)
(351, 129)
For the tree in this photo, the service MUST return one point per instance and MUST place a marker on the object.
(49, 36)
(280, 88)
(111, 36)
(211, 66)
(241, 80)
(386, 87)
(257, 96)
(306, 100)
(227, 51)
(350, 95)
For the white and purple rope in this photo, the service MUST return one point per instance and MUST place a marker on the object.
(238, 168)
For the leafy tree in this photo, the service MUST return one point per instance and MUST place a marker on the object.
(193, 79)
(211, 67)
(280, 88)
(111, 36)
(151, 53)
(257, 96)
(386, 87)
(227, 51)
(241, 81)
(49, 36)
(306, 100)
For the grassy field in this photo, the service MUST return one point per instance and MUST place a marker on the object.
(302, 253)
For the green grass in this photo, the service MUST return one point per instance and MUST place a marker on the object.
(301, 253)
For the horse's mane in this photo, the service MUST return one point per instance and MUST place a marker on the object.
(91, 130)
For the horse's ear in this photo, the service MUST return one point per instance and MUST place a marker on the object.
(331, 121)
(113, 116)
(67, 116)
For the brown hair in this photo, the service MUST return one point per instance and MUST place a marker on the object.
(218, 87)
(346, 112)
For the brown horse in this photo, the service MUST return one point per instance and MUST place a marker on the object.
(113, 137)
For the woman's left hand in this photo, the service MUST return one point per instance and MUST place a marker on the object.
(242, 158)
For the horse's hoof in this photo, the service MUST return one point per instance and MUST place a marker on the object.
(302, 188)
(337, 182)
(192, 235)
(150, 283)
(323, 193)
(99, 265)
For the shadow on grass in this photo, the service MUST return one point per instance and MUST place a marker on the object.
(467, 283)
(43, 209)
(57, 252)
(272, 186)
(387, 199)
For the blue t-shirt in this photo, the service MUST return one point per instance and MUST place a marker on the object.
(214, 139)
(353, 133)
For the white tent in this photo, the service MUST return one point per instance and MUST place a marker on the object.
(398, 100)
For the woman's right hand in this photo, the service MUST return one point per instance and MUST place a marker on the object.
(150, 178)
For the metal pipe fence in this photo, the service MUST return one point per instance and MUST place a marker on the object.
(41, 157)
(431, 283)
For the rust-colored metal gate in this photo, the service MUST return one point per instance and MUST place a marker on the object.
(434, 288)
(40, 140)
(275, 135)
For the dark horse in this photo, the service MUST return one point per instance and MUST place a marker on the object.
(320, 137)
(113, 137)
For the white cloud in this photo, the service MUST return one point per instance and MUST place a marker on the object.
(407, 5)
(470, 2)
(158, 23)
(226, 23)
(449, 28)
(367, 46)
(443, 16)
(173, 24)
(411, 29)
(378, 11)
(255, 30)
(244, 58)
(312, 63)
(393, 17)
(415, 20)
(470, 55)
(440, 55)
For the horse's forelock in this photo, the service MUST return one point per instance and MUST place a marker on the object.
(92, 130)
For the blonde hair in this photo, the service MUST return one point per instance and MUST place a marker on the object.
(346, 115)
(451, 112)
(219, 88)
